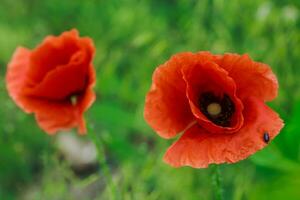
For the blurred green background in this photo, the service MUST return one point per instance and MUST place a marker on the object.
(132, 37)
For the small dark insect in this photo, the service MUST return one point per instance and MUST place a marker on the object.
(266, 137)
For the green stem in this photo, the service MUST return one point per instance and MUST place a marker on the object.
(217, 183)
(103, 162)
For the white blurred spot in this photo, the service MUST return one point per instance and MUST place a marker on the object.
(76, 151)
(264, 11)
(290, 13)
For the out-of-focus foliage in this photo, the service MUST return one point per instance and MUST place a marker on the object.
(133, 37)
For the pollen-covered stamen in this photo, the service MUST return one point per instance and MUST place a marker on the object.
(73, 99)
(217, 109)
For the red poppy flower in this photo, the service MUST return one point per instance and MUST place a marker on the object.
(54, 81)
(218, 101)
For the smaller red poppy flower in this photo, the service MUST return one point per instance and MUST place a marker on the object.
(54, 81)
(218, 102)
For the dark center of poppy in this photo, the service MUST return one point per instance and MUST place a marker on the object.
(217, 109)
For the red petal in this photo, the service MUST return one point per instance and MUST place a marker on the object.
(166, 106)
(56, 117)
(53, 115)
(53, 52)
(88, 98)
(252, 78)
(198, 148)
(72, 75)
(63, 81)
(209, 77)
(16, 74)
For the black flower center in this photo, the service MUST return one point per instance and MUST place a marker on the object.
(217, 109)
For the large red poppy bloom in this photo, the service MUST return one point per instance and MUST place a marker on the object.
(54, 81)
(218, 101)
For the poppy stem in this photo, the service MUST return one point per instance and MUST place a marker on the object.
(217, 183)
(103, 162)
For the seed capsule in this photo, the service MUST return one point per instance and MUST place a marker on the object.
(214, 109)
